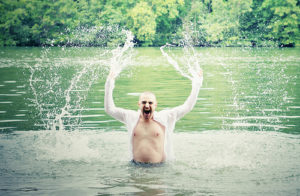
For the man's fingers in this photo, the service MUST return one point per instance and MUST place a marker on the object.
(200, 73)
(112, 74)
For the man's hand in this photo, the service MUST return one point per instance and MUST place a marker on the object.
(112, 75)
(200, 73)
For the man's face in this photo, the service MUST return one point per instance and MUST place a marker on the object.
(147, 105)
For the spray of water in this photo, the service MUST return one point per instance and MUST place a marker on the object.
(258, 108)
(111, 36)
(121, 56)
(60, 84)
(66, 109)
(188, 64)
(59, 87)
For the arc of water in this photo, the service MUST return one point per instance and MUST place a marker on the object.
(189, 51)
(118, 62)
(65, 110)
(35, 95)
(173, 62)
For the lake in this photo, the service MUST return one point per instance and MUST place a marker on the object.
(241, 138)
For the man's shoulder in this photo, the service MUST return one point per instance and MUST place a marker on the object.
(131, 113)
(164, 114)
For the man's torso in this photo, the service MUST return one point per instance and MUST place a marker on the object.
(148, 141)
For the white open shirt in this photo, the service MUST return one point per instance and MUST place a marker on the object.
(167, 117)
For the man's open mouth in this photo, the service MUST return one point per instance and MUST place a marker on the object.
(147, 111)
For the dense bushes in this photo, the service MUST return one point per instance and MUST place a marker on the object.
(97, 22)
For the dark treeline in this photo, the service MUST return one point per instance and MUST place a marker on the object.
(153, 23)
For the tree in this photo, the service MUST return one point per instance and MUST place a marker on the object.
(284, 20)
(153, 22)
(14, 21)
(142, 23)
(222, 24)
(253, 25)
(215, 22)
(168, 19)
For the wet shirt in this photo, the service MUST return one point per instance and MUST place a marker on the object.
(167, 117)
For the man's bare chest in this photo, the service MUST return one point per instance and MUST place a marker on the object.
(149, 129)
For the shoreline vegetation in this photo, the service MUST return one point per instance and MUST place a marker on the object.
(205, 23)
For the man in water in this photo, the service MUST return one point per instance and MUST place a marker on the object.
(150, 132)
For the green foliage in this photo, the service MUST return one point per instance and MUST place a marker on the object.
(284, 20)
(272, 22)
(168, 13)
(216, 22)
(142, 23)
(153, 22)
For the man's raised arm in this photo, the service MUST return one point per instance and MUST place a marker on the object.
(109, 105)
(189, 104)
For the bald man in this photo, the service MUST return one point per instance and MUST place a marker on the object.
(150, 132)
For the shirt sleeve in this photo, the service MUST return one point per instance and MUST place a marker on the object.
(189, 104)
(109, 105)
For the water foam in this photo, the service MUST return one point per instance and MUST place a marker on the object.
(215, 162)
(246, 150)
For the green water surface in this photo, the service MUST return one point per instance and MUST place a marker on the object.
(256, 89)
(241, 138)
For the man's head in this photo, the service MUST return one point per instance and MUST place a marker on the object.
(147, 104)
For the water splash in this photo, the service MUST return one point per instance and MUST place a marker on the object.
(57, 96)
(60, 86)
(121, 56)
(262, 107)
(188, 64)
(111, 36)
(230, 163)
(58, 122)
